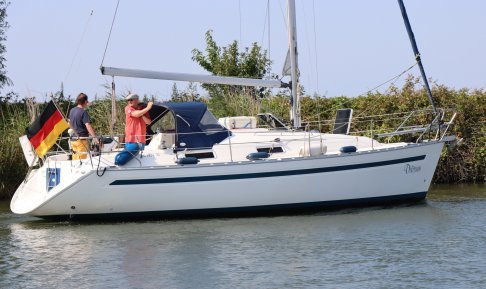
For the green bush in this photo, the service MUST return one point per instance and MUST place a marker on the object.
(463, 163)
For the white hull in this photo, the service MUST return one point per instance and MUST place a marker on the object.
(402, 173)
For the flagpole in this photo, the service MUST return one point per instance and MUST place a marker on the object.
(62, 114)
(57, 107)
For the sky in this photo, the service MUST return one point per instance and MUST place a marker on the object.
(345, 47)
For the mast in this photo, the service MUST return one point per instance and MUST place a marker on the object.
(417, 53)
(294, 70)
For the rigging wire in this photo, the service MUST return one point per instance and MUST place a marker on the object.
(393, 80)
(268, 9)
(310, 75)
(79, 44)
(264, 27)
(315, 44)
(265, 21)
(109, 35)
(239, 13)
(283, 16)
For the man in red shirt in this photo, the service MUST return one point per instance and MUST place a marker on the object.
(136, 119)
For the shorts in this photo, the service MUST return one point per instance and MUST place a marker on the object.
(80, 148)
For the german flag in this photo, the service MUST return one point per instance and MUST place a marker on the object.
(45, 130)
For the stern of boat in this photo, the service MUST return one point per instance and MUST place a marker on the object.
(44, 183)
(29, 195)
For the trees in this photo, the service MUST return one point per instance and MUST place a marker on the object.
(4, 80)
(188, 94)
(252, 62)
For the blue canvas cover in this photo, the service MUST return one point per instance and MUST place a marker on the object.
(195, 125)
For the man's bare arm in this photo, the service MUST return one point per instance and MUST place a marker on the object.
(141, 112)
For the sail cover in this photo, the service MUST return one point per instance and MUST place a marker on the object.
(196, 127)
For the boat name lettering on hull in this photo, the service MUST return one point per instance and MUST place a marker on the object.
(411, 169)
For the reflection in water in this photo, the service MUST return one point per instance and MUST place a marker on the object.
(38, 249)
(457, 192)
(431, 245)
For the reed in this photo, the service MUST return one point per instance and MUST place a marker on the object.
(463, 163)
(14, 118)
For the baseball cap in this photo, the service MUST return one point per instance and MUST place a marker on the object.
(131, 96)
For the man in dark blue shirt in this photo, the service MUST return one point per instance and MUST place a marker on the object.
(80, 123)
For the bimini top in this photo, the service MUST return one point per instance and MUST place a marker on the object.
(195, 126)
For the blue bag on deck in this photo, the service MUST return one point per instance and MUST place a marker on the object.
(131, 150)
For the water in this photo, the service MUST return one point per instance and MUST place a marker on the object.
(439, 244)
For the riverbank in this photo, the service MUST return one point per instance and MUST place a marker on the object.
(464, 163)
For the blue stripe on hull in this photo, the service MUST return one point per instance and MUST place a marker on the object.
(264, 174)
(253, 211)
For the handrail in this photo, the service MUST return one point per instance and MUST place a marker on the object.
(362, 126)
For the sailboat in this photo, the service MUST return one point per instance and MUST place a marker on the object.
(200, 166)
